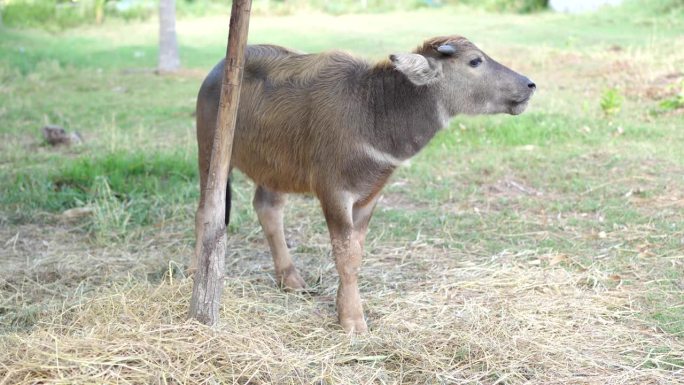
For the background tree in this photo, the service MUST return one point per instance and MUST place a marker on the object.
(169, 60)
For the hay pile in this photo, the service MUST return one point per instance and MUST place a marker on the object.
(494, 323)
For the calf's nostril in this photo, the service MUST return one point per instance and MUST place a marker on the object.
(531, 85)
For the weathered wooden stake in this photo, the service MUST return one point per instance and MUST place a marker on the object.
(208, 279)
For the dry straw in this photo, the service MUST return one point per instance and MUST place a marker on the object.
(445, 322)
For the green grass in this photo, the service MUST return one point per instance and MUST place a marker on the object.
(132, 178)
(565, 178)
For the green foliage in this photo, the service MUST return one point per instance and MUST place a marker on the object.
(195, 8)
(283, 7)
(111, 217)
(611, 102)
(32, 14)
(355, 6)
(518, 6)
(528, 129)
(663, 7)
(132, 10)
(675, 102)
(57, 14)
(125, 173)
(122, 188)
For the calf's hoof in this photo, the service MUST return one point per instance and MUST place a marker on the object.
(354, 325)
(290, 280)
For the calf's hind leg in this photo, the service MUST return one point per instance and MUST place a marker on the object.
(269, 208)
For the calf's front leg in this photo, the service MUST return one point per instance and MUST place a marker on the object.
(347, 251)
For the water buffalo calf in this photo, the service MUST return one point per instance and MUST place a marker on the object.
(337, 126)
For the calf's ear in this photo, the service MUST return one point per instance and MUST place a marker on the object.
(417, 68)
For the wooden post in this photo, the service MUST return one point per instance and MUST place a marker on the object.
(208, 279)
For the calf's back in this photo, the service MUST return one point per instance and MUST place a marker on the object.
(299, 117)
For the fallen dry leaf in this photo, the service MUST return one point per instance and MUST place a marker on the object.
(556, 259)
(77, 212)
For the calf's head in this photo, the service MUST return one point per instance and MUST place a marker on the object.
(467, 80)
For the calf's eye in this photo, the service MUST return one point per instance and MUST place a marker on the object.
(475, 62)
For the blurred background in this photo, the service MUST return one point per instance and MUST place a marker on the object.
(71, 13)
(61, 14)
(541, 248)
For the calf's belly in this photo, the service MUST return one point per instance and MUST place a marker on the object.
(273, 173)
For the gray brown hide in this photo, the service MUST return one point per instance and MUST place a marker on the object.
(337, 126)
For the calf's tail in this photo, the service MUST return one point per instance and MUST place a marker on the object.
(228, 197)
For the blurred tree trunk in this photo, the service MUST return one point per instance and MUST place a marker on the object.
(169, 61)
(99, 11)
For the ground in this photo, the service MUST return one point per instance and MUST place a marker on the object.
(546, 248)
